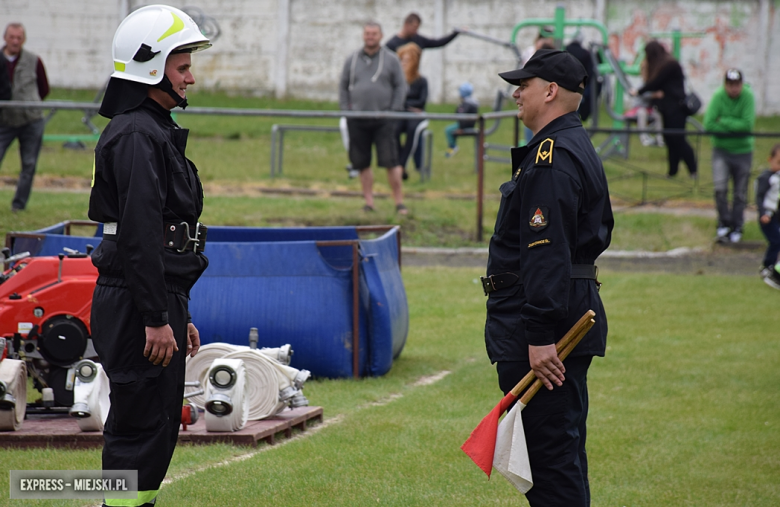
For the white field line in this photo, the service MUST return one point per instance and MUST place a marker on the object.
(431, 379)
(421, 382)
(243, 457)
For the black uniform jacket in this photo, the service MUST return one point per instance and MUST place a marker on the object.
(142, 180)
(555, 212)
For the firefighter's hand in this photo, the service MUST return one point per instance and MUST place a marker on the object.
(765, 219)
(546, 365)
(193, 339)
(160, 344)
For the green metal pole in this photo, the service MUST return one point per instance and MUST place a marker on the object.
(619, 109)
(676, 44)
(560, 23)
(542, 22)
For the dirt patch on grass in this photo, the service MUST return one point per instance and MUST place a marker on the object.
(51, 183)
(738, 260)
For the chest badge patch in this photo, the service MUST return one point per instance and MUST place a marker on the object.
(538, 219)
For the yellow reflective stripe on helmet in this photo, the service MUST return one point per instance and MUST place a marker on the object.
(143, 497)
(119, 66)
(177, 26)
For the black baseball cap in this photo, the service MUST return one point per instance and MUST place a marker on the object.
(733, 75)
(551, 65)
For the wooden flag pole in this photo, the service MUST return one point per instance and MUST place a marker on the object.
(561, 355)
(559, 347)
(481, 444)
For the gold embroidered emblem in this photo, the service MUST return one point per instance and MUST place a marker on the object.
(540, 242)
(545, 155)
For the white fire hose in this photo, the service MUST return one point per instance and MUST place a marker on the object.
(13, 394)
(281, 354)
(91, 400)
(227, 406)
(271, 386)
(198, 367)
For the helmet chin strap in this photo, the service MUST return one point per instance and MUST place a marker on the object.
(166, 86)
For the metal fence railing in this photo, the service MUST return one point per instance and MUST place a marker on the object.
(623, 170)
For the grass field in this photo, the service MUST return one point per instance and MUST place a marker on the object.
(684, 411)
(433, 221)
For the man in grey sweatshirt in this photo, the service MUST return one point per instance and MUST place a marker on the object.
(373, 80)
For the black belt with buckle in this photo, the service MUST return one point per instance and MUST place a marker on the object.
(177, 235)
(500, 281)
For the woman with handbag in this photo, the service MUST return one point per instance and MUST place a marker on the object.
(667, 82)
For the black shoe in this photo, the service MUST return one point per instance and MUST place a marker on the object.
(773, 280)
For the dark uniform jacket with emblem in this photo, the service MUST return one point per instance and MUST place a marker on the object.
(141, 181)
(554, 213)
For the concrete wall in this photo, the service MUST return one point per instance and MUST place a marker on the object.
(298, 47)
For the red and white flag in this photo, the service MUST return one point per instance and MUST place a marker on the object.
(504, 448)
(511, 455)
(502, 445)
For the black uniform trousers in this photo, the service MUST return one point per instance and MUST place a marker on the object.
(142, 427)
(554, 423)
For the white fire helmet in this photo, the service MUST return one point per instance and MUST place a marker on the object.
(147, 36)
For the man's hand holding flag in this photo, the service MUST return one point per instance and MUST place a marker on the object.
(503, 445)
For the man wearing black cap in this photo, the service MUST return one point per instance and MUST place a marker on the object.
(731, 110)
(555, 219)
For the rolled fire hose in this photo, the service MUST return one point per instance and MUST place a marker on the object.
(198, 368)
(271, 385)
(262, 383)
(282, 354)
(227, 407)
(91, 400)
(13, 394)
(290, 385)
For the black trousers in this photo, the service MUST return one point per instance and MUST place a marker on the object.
(554, 423)
(676, 144)
(142, 427)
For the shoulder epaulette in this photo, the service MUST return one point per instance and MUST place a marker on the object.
(544, 154)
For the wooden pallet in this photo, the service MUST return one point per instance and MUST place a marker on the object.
(64, 431)
(255, 431)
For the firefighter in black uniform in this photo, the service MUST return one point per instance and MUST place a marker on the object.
(148, 196)
(554, 220)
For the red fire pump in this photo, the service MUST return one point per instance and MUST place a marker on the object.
(45, 305)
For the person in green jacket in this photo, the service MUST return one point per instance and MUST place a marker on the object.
(731, 111)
